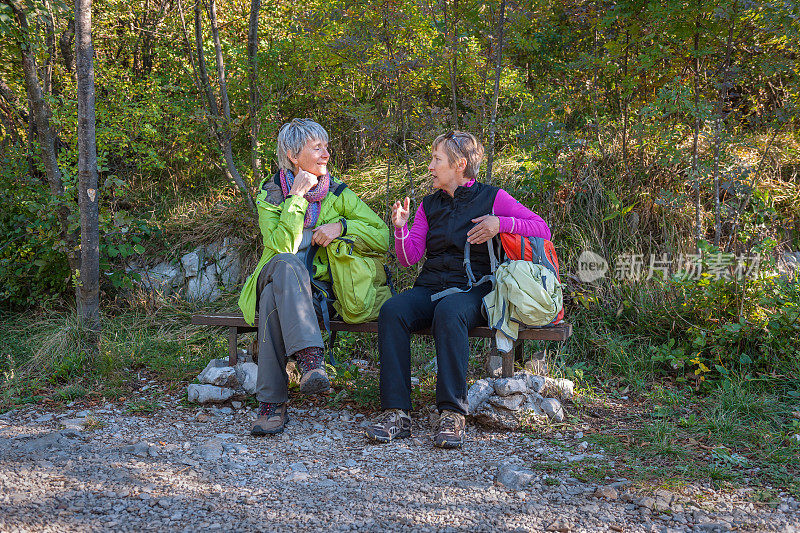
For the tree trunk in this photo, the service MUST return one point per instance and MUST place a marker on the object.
(497, 70)
(595, 98)
(695, 169)
(65, 43)
(625, 105)
(148, 33)
(723, 97)
(202, 70)
(88, 195)
(40, 118)
(50, 41)
(13, 101)
(452, 61)
(255, 104)
(8, 122)
(224, 129)
(484, 80)
(751, 187)
(402, 128)
(388, 199)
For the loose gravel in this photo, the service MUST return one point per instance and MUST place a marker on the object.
(192, 469)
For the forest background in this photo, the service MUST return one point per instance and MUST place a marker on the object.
(647, 132)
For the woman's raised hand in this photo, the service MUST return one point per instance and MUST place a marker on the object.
(400, 212)
(303, 182)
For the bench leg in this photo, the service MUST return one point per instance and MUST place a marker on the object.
(508, 361)
(233, 346)
(487, 367)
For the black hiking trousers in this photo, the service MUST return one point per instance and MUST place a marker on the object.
(450, 319)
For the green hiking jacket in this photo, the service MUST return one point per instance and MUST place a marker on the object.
(281, 224)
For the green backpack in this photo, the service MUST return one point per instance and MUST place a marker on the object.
(359, 279)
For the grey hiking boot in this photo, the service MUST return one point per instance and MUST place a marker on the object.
(391, 424)
(451, 430)
(315, 379)
(272, 418)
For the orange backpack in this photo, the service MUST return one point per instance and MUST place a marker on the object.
(534, 249)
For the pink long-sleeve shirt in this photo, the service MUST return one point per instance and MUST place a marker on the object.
(409, 244)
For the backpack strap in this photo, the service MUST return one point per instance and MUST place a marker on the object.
(389, 275)
(339, 189)
(538, 254)
(488, 278)
(321, 296)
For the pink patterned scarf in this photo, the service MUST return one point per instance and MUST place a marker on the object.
(314, 196)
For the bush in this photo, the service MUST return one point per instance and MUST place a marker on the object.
(33, 266)
(744, 326)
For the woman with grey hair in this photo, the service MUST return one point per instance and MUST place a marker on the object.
(300, 208)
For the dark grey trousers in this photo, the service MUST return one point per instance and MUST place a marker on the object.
(287, 323)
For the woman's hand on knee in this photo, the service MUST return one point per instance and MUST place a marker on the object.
(485, 228)
(324, 235)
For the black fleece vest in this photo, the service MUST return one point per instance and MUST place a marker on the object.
(449, 220)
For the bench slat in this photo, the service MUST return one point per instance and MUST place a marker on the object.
(560, 332)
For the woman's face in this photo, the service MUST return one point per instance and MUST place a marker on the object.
(312, 158)
(444, 176)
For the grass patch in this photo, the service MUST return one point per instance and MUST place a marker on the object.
(356, 386)
(93, 423)
(143, 407)
(50, 361)
(72, 392)
(741, 433)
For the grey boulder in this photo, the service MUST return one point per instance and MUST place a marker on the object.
(478, 393)
(553, 409)
(514, 477)
(208, 393)
(509, 386)
(218, 373)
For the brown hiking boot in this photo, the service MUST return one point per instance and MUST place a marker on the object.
(315, 379)
(272, 418)
(391, 424)
(451, 430)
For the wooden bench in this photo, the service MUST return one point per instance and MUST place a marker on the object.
(236, 326)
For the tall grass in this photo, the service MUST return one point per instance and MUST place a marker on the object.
(47, 354)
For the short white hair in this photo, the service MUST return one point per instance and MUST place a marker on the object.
(293, 136)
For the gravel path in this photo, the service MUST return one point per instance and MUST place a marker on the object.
(190, 469)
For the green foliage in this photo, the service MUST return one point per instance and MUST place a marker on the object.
(745, 325)
(141, 407)
(33, 267)
(72, 392)
(356, 385)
